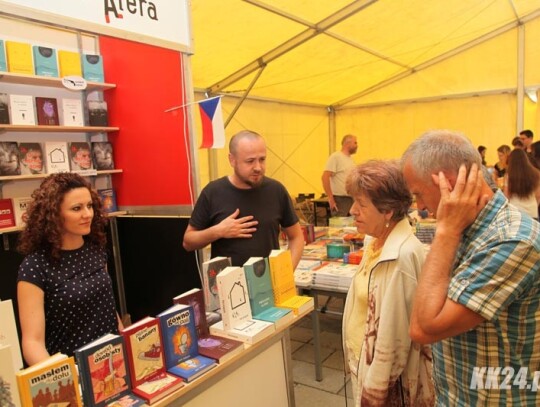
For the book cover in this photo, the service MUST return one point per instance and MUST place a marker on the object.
(20, 206)
(108, 200)
(93, 68)
(4, 108)
(145, 360)
(31, 158)
(103, 371)
(22, 109)
(80, 156)
(72, 112)
(7, 214)
(53, 381)
(8, 333)
(233, 297)
(56, 156)
(282, 275)
(215, 347)
(180, 343)
(47, 111)
(19, 57)
(9, 158)
(102, 153)
(261, 295)
(69, 63)
(3, 62)
(250, 332)
(211, 269)
(97, 113)
(9, 392)
(45, 63)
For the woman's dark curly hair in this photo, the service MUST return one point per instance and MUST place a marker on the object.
(44, 225)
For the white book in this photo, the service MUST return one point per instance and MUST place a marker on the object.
(233, 297)
(57, 156)
(251, 331)
(9, 390)
(8, 333)
(22, 108)
(72, 112)
(20, 205)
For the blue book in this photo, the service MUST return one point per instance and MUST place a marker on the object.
(93, 68)
(45, 63)
(180, 345)
(108, 200)
(3, 62)
(261, 294)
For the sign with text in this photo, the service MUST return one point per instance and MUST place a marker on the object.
(159, 22)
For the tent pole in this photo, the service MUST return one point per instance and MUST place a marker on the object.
(331, 129)
(520, 78)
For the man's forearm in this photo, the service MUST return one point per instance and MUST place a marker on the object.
(197, 239)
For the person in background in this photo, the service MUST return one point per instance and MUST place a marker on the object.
(335, 173)
(522, 183)
(535, 154)
(526, 137)
(499, 169)
(241, 214)
(477, 300)
(517, 143)
(64, 291)
(482, 151)
(387, 368)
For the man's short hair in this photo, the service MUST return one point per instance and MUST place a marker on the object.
(249, 134)
(346, 138)
(527, 133)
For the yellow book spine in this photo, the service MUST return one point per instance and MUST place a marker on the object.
(19, 57)
(69, 63)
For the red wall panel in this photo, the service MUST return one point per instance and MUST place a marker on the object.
(151, 144)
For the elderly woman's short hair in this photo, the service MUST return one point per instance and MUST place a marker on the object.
(383, 182)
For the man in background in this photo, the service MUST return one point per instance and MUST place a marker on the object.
(335, 173)
(241, 214)
(526, 137)
(478, 297)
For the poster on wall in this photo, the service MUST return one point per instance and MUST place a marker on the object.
(163, 23)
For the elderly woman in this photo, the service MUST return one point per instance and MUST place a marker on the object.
(387, 369)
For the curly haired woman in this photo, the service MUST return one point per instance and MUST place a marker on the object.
(64, 291)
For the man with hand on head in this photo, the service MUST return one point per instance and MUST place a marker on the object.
(478, 299)
(241, 214)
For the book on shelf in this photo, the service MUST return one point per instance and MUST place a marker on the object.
(282, 273)
(47, 111)
(45, 63)
(7, 214)
(210, 270)
(8, 332)
(3, 62)
(93, 68)
(31, 158)
(97, 113)
(20, 206)
(56, 156)
(180, 343)
(4, 108)
(54, 381)
(144, 350)
(80, 156)
(108, 200)
(216, 347)
(72, 112)
(261, 295)
(236, 319)
(69, 63)
(9, 158)
(22, 109)
(9, 391)
(19, 57)
(104, 372)
(102, 153)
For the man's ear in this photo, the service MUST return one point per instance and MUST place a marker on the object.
(435, 179)
(450, 180)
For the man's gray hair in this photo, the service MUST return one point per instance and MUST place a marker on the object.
(440, 150)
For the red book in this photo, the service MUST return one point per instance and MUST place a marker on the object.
(211, 346)
(7, 215)
(146, 362)
(47, 111)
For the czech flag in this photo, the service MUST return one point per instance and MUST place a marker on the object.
(212, 123)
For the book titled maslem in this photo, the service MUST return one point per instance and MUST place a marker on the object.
(52, 382)
(180, 343)
(7, 215)
(103, 371)
(146, 363)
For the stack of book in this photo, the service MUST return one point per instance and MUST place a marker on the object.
(303, 274)
(334, 276)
